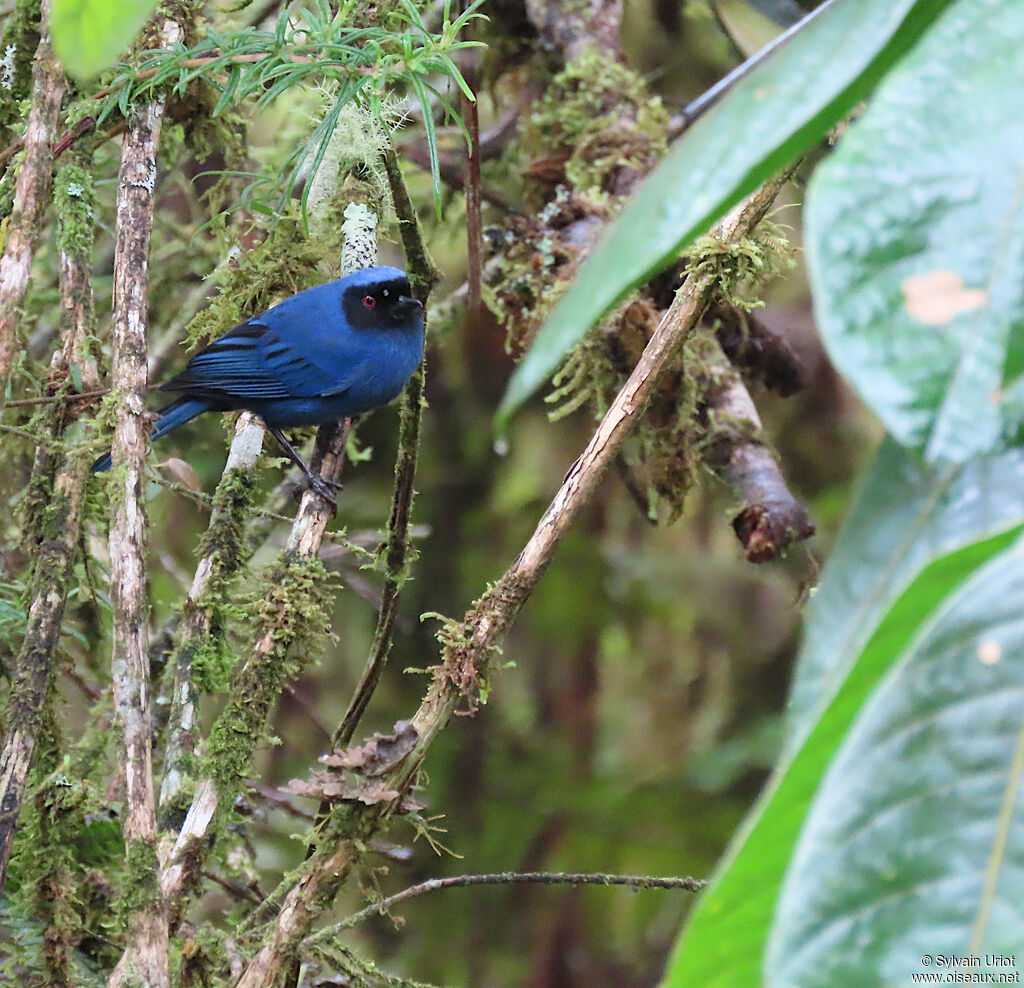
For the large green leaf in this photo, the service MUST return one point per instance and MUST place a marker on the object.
(914, 846)
(88, 35)
(916, 238)
(774, 114)
(906, 514)
(725, 940)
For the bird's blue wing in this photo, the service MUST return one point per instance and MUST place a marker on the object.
(308, 363)
(253, 361)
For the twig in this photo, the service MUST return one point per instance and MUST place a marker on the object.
(423, 277)
(470, 644)
(688, 884)
(53, 399)
(31, 436)
(279, 800)
(474, 224)
(234, 889)
(31, 195)
(453, 173)
(683, 120)
(146, 956)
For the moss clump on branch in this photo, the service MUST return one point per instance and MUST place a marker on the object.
(593, 134)
(291, 610)
(75, 205)
(141, 887)
(598, 117)
(668, 447)
(225, 545)
(288, 261)
(68, 860)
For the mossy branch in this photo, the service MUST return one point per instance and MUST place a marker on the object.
(56, 526)
(292, 612)
(222, 553)
(31, 195)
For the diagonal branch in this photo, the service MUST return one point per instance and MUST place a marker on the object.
(222, 555)
(257, 683)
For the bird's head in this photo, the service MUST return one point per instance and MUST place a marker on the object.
(380, 298)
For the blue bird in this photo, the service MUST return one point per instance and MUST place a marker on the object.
(327, 353)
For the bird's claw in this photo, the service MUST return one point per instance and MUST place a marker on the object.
(325, 489)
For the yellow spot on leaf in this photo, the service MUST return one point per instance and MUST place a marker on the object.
(990, 652)
(939, 297)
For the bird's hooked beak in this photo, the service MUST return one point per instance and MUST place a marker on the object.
(404, 306)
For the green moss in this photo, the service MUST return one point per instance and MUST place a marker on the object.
(67, 861)
(225, 534)
(211, 660)
(18, 48)
(285, 263)
(141, 885)
(599, 113)
(75, 205)
(744, 267)
(293, 607)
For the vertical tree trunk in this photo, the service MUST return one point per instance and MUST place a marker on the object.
(146, 958)
(31, 196)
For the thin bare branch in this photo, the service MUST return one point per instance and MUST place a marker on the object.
(688, 884)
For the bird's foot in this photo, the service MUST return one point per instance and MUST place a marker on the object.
(325, 489)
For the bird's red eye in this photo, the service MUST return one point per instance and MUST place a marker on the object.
(369, 301)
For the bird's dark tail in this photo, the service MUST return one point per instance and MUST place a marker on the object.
(170, 418)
